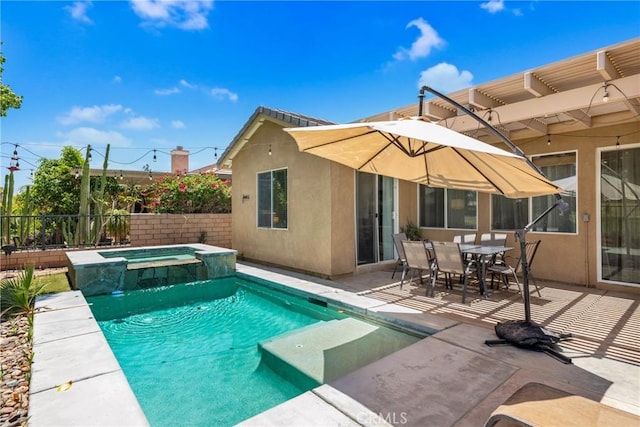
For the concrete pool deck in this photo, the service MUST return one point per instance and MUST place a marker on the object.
(448, 378)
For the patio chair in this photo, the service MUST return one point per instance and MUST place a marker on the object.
(467, 239)
(449, 261)
(494, 239)
(398, 238)
(507, 271)
(416, 258)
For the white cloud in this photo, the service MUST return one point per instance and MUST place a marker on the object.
(78, 11)
(177, 124)
(445, 78)
(95, 114)
(420, 48)
(140, 123)
(222, 93)
(165, 92)
(493, 6)
(85, 135)
(117, 79)
(187, 84)
(186, 15)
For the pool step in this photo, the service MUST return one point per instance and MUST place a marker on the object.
(316, 355)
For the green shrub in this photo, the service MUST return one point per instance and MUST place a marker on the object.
(198, 193)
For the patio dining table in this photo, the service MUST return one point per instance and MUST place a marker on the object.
(483, 253)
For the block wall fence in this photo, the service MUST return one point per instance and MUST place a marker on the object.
(146, 230)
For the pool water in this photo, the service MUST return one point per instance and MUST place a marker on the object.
(176, 253)
(190, 351)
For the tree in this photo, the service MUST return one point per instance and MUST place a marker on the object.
(55, 189)
(8, 99)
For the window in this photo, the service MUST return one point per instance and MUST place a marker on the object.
(508, 214)
(272, 199)
(515, 214)
(561, 169)
(446, 208)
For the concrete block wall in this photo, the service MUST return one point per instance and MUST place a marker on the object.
(172, 229)
(146, 230)
(51, 258)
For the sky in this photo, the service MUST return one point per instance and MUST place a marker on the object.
(149, 75)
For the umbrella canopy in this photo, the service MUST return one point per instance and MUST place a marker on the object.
(426, 153)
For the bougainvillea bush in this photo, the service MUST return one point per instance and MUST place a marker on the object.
(198, 193)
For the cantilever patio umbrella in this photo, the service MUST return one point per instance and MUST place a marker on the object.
(430, 154)
(426, 153)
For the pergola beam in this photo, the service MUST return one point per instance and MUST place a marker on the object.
(571, 100)
(436, 112)
(481, 101)
(535, 86)
(605, 67)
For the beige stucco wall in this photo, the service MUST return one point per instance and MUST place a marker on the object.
(321, 234)
(319, 238)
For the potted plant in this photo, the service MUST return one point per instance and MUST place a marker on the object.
(411, 230)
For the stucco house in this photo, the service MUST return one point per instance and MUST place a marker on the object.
(578, 119)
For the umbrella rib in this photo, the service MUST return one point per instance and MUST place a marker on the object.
(529, 172)
(409, 151)
(484, 175)
(392, 141)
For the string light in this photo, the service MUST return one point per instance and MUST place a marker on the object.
(605, 96)
(215, 154)
(150, 176)
(155, 158)
(269, 149)
(617, 142)
(548, 139)
(77, 172)
(14, 165)
(121, 177)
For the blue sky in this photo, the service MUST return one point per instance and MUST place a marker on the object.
(147, 74)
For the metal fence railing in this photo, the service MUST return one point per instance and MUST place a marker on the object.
(24, 232)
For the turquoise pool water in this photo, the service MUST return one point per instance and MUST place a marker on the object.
(190, 351)
(175, 253)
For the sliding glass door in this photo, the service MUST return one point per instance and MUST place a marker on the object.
(375, 198)
(619, 242)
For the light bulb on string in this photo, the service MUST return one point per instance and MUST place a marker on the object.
(155, 158)
(269, 149)
(548, 139)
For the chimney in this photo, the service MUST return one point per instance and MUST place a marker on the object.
(179, 161)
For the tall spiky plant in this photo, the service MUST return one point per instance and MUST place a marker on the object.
(7, 207)
(83, 221)
(98, 199)
(17, 294)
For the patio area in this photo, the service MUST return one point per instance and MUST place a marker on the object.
(602, 323)
(453, 378)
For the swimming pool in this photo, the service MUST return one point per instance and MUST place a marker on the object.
(216, 352)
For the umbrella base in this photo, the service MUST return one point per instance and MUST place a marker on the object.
(531, 336)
